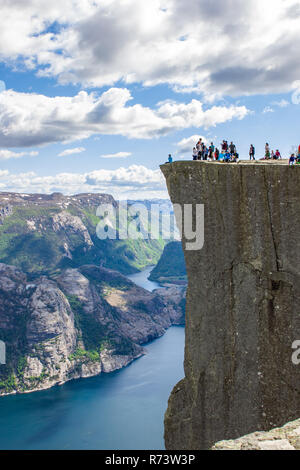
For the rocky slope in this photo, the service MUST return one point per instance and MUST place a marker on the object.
(243, 303)
(45, 233)
(285, 438)
(79, 323)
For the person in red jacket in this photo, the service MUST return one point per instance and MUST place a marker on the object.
(277, 155)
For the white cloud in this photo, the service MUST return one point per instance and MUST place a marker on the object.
(281, 104)
(135, 181)
(2, 86)
(28, 119)
(71, 151)
(186, 145)
(134, 176)
(296, 93)
(267, 110)
(117, 155)
(8, 154)
(232, 47)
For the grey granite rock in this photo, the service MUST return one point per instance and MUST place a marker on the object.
(285, 438)
(243, 303)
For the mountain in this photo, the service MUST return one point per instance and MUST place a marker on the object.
(79, 323)
(66, 309)
(171, 266)
(46, 233)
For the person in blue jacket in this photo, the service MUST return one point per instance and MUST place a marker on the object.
(292, 159)
(227, 157)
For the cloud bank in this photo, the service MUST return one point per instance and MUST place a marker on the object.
(29, 119)
(233, 47)
(8, 154)
(135, 181)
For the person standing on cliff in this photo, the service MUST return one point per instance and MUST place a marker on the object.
(211, 151)
(267, 151)
(232, 148)
(224, 146)
(252, 152)
(199, 143)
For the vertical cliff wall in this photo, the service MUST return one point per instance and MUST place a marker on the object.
(243, 302)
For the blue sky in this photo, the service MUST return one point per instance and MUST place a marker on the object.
(94, 95)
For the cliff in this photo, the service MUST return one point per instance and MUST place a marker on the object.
(76, 324)
(243, 302)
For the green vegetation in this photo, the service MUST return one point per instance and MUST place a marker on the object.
(31, 251)
(21, 366)
(36, 380)
(38, 249)
(93, 334)
(9, 384)
(16, 347)
(81, 354)
(171, 266)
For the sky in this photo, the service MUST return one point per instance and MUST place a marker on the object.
(94, 95)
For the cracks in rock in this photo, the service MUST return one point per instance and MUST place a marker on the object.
(271, 222)
(217, 203)
(230, 379)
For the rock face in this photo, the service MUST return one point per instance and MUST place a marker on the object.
(285, 438)
(77, 324)
(243, 303)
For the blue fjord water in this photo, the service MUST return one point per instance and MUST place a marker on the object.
(121, 410)
(141, 279)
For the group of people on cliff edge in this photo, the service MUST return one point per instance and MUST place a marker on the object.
(227, 152)
(293, 159)
(270, 154)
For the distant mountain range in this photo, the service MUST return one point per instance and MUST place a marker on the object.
(46, 233)
(66, 309)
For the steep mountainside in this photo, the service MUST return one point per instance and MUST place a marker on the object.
(171, 266)
(45, 233)
(243, 302)
(77, 324)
